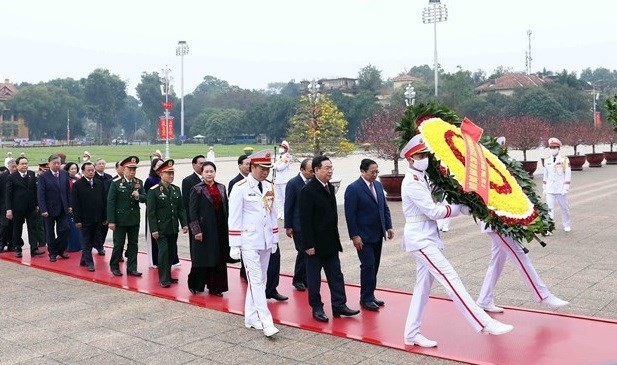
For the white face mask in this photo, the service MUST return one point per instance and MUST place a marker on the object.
(421, 165)
(554, 151)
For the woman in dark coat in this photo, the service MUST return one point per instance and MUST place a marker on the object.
(151, 246)
(208, 212)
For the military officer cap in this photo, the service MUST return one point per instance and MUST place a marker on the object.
(262, 158)
(414, 146)
(501, 140)
(167, 166)
(43, 164)
(130, 161)
(285, 145)
(554, 142)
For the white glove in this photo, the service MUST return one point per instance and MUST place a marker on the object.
(465, 210)
(275, 247)
(564, 191)
(234, 253)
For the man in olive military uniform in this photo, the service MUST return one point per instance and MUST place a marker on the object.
(165, 209)
(125, 194)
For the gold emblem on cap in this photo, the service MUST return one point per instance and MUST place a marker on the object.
(169, 163)
(267, 155)
(134, 160)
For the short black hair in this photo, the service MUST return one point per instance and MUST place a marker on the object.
(366, 163)
(83, 165)
(210, 163)
(117, 164)
(241, 159)
(194, 161)
(20, 158)
(54, 157)
(303, 163)
(317, 160)
(68, 166)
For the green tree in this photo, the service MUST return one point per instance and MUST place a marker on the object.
(369, 79)
(355, 109)
(132, 117)
(224, 123)
(149, 94)
(319, 127)
(104, 95)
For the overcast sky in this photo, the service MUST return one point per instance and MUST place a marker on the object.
(251, 43)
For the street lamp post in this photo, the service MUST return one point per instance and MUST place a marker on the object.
(435, 13)
(410, 95)
(166, 80)
(182, 49)
(594, 100)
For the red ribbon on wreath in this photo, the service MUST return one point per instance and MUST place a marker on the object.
(476, 167)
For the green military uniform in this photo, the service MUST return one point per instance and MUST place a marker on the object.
(165, 209)
(123, 211)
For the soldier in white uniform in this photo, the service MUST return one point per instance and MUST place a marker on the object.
(503, 247)
(556, 182)
(421, 238)
(283, 174)
(253, 233)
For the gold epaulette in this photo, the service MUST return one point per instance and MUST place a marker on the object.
(240, 182)
(154, 187)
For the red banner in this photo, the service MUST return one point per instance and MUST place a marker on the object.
(476, 168)
(167, 105)
(166, 128)
(597, 120)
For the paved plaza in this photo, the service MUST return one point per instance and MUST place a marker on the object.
(47, 318)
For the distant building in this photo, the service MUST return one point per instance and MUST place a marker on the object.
(11, 126)
(402, 81)
(507, 83)
(346, 85)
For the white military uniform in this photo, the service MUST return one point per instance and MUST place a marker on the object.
(503, 247)
(556, 184)
(283, 174)
(254, 229)
(421, 237)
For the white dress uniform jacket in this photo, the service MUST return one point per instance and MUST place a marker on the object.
(282, 167)
(251, 226)
(421, 213)
(557, 175)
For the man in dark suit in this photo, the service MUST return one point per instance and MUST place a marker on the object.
(368, 222)
(321, 241)
(244, 165)
(106, 179)
(292, 220)
(187, 184)
(22, 205)
(53, 197)
(89, 204)
(6, 226)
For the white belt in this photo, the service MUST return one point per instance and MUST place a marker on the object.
(417, 218)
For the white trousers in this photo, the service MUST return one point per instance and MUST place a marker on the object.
(503, 247)
(255, 305)
(432, 264)
(279, 199)
(562, 200)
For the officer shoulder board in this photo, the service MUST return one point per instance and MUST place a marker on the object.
(241, 182)
(116, 178)
(154, 187)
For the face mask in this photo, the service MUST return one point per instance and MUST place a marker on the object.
(554, 151)
(421, 165)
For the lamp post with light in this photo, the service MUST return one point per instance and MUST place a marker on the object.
(435, 13)
(166, 105)
(182, 49)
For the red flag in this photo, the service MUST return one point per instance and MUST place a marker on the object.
(469, 128)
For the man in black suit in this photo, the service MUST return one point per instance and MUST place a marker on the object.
(89, 204)
(22, 205)
(187, 184)
(321, 241)
(6, 226)
(292, 220)
(53, 198)
(244, 165)
(368, 222)
(105, 178)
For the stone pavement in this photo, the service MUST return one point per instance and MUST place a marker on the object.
(47, 318)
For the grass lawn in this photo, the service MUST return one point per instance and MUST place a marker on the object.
(115, 153)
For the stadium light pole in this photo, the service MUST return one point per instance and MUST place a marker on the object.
(435, 13)
(182, 49)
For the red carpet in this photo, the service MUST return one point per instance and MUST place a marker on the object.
(538, 337)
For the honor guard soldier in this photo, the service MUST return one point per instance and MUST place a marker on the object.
(123, 216)
(556, 182)
(253, 232)
(421, 238)
(165, 209)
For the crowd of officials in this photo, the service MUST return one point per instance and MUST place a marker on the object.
(71, 208)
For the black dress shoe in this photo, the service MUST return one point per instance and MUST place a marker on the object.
(371, 306)
(52, 259)
(193, 291)
(36, 253)
(320, 316)
(173, 280)
(278, 296)
(300, 286)
(102, 253)
(344, 311)
(18, 254)
(63, 256)
(133, 273)
(116, 272)
(121, 259)
(380, 303)
(91, 268)
(215, 293)
(165, 285)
